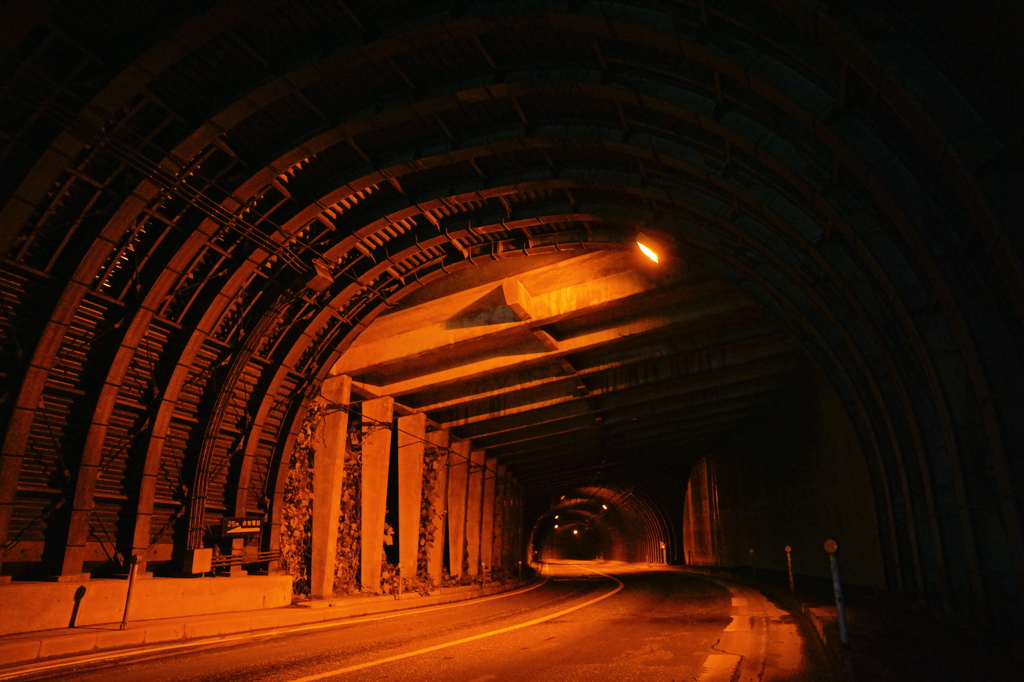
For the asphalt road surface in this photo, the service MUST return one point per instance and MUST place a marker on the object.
(584, 622)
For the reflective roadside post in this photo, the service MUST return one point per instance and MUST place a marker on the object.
(832, 547)
(789, 565)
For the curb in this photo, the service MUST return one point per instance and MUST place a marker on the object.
(24, 649)
(814, 622)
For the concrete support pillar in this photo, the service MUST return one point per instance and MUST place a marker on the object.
(458, 486)
(439, 503)
(328, 478)
(412, 432)
(474, 510)
(512, 524)
(376, 456)
(497, 555)
(487, 523)
(517, 527)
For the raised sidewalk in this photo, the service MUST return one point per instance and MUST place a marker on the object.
(19, 650)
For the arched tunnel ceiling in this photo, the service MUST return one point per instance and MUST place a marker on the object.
(206, 211)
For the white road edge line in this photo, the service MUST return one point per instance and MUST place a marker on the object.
(437, 647)
(253, 634)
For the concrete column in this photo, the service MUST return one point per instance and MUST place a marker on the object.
(376, 455)
(502, 549)
(500, 493)
(328, 478)
(487, 524)
(517, 526)
(439, 502)
(508, 545)
(412, 431)
(474, 509)
(458, 487)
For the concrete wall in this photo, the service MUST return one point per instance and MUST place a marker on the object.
(798, 480)
(31, 606)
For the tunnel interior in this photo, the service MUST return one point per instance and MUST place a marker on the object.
(601, 524)
(427, 218)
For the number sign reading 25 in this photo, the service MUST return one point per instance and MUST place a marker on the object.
(241, 525)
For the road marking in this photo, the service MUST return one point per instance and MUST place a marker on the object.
(740, 623)
(719, 668)
(484, 635)
(226, 639)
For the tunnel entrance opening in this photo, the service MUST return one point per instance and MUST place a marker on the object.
(572, 542)
(603, 524)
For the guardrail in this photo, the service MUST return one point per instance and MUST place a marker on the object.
(223, 560)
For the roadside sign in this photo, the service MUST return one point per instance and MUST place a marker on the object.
(241, 525)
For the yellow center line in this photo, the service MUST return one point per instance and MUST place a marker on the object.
(438, 647)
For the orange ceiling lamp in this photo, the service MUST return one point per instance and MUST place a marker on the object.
(647, 246)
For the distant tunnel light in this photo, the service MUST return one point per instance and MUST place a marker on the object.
(646, 246)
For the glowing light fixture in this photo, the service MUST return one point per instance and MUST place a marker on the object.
(556, 525)
(646, 246)
(604, 506)
(575, 532)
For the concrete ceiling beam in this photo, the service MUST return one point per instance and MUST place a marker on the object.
(520, 352)
(666, 386)
(487, 312)
(669, 420)
(680, 423)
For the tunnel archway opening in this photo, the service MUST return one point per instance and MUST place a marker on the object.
(601, 524)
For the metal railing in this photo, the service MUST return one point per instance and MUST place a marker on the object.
(239, 559)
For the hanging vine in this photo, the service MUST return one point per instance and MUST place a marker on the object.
(297, 507)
